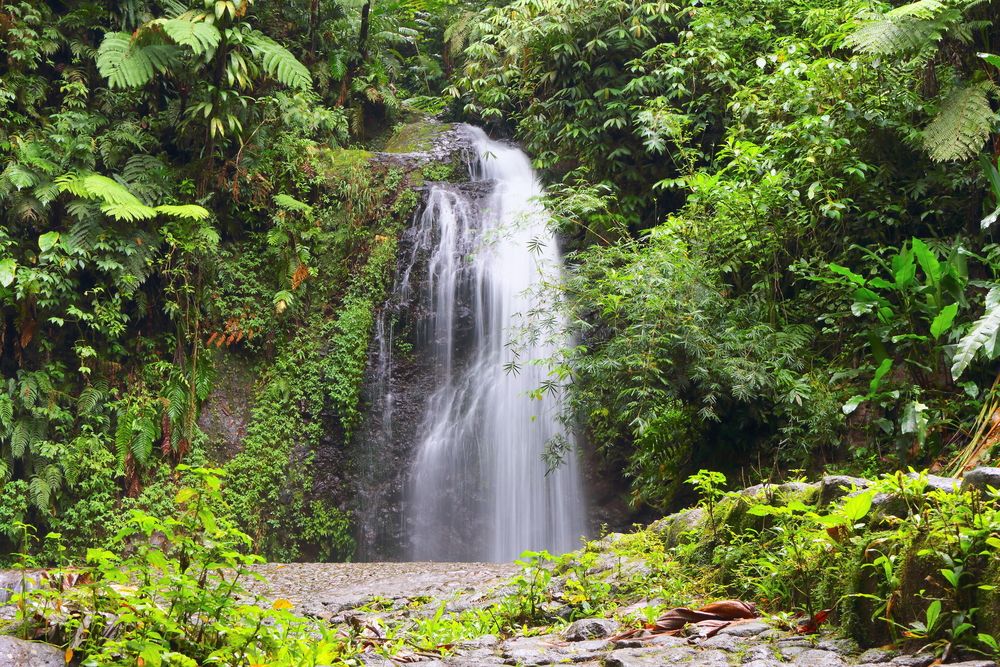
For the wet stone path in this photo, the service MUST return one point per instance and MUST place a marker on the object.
(343, 593)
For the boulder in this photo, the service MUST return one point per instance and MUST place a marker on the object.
(781, 491)
(671, 528)
(981, 478)
(835, 487)
(590, 628)
(938, 483)
(29, 654)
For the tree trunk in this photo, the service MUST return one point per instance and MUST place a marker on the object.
(358, 60)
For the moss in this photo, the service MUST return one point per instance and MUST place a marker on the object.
(988, 601)
(331, 163)
(416, 137)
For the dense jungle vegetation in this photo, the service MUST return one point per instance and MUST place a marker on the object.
(780, 218)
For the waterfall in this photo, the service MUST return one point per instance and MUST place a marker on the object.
(479, 487)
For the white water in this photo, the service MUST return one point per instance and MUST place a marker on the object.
(480, 489)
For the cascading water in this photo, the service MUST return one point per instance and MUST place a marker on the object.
(480, 489)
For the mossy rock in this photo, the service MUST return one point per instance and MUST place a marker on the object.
(416, 137)
(858, 612)
(919, 581)
(988, 601)
(673, 529)
(333, 163)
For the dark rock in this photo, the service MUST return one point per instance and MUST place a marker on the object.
(888, 505)
(877, 655)
(726, 643)
(745, 629)
(548, 649)
(938, 483)
(981, 478)
(590, 628)
(819, 658)
(760, 652)
(648, 657)
(780, 490)
(710, 658)
(840, 646)
(21, 653)
(912, 661)
(834, 487)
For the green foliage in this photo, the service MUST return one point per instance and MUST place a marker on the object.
(963, 123)
(177, 597)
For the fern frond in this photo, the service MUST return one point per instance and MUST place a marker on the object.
(127, 65)
(199, 36)
(922, 9)
(279, 62)
(20, 438)
(129, 212)
(186, 211)
(88, 185)
(962, 125)
(144, 437)
(89, 399)
(39, 492)
(123, 437)
(290, 203)
(6, 413)
(897, 35)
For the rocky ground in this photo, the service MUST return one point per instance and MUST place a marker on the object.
(345, 593)
(341, 593)
(370, 597)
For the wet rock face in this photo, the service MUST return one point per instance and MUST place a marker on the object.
(981, 478)
(401, 376)
(226, 412)
(20, 653)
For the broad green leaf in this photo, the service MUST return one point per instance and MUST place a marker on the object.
(991, 58)
(914, 420)
(928, 261)
(904, 268)
(852, 404)
(933, 614)
(847, 273)
(880, 373)
(983, 331)
(8, 269)
(942, 322)
(48, 240)
(856, 507)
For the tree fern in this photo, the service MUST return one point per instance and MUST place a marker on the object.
(89, 399)
(279, 62)
(39, 492)
(887, 35)
(128, 65)
(185, 211)
(199, 36)
(6, 413)
(963, 124)
(20, 438)
(143, 439)
(922, 9)
(118, 202)
(983, 333)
